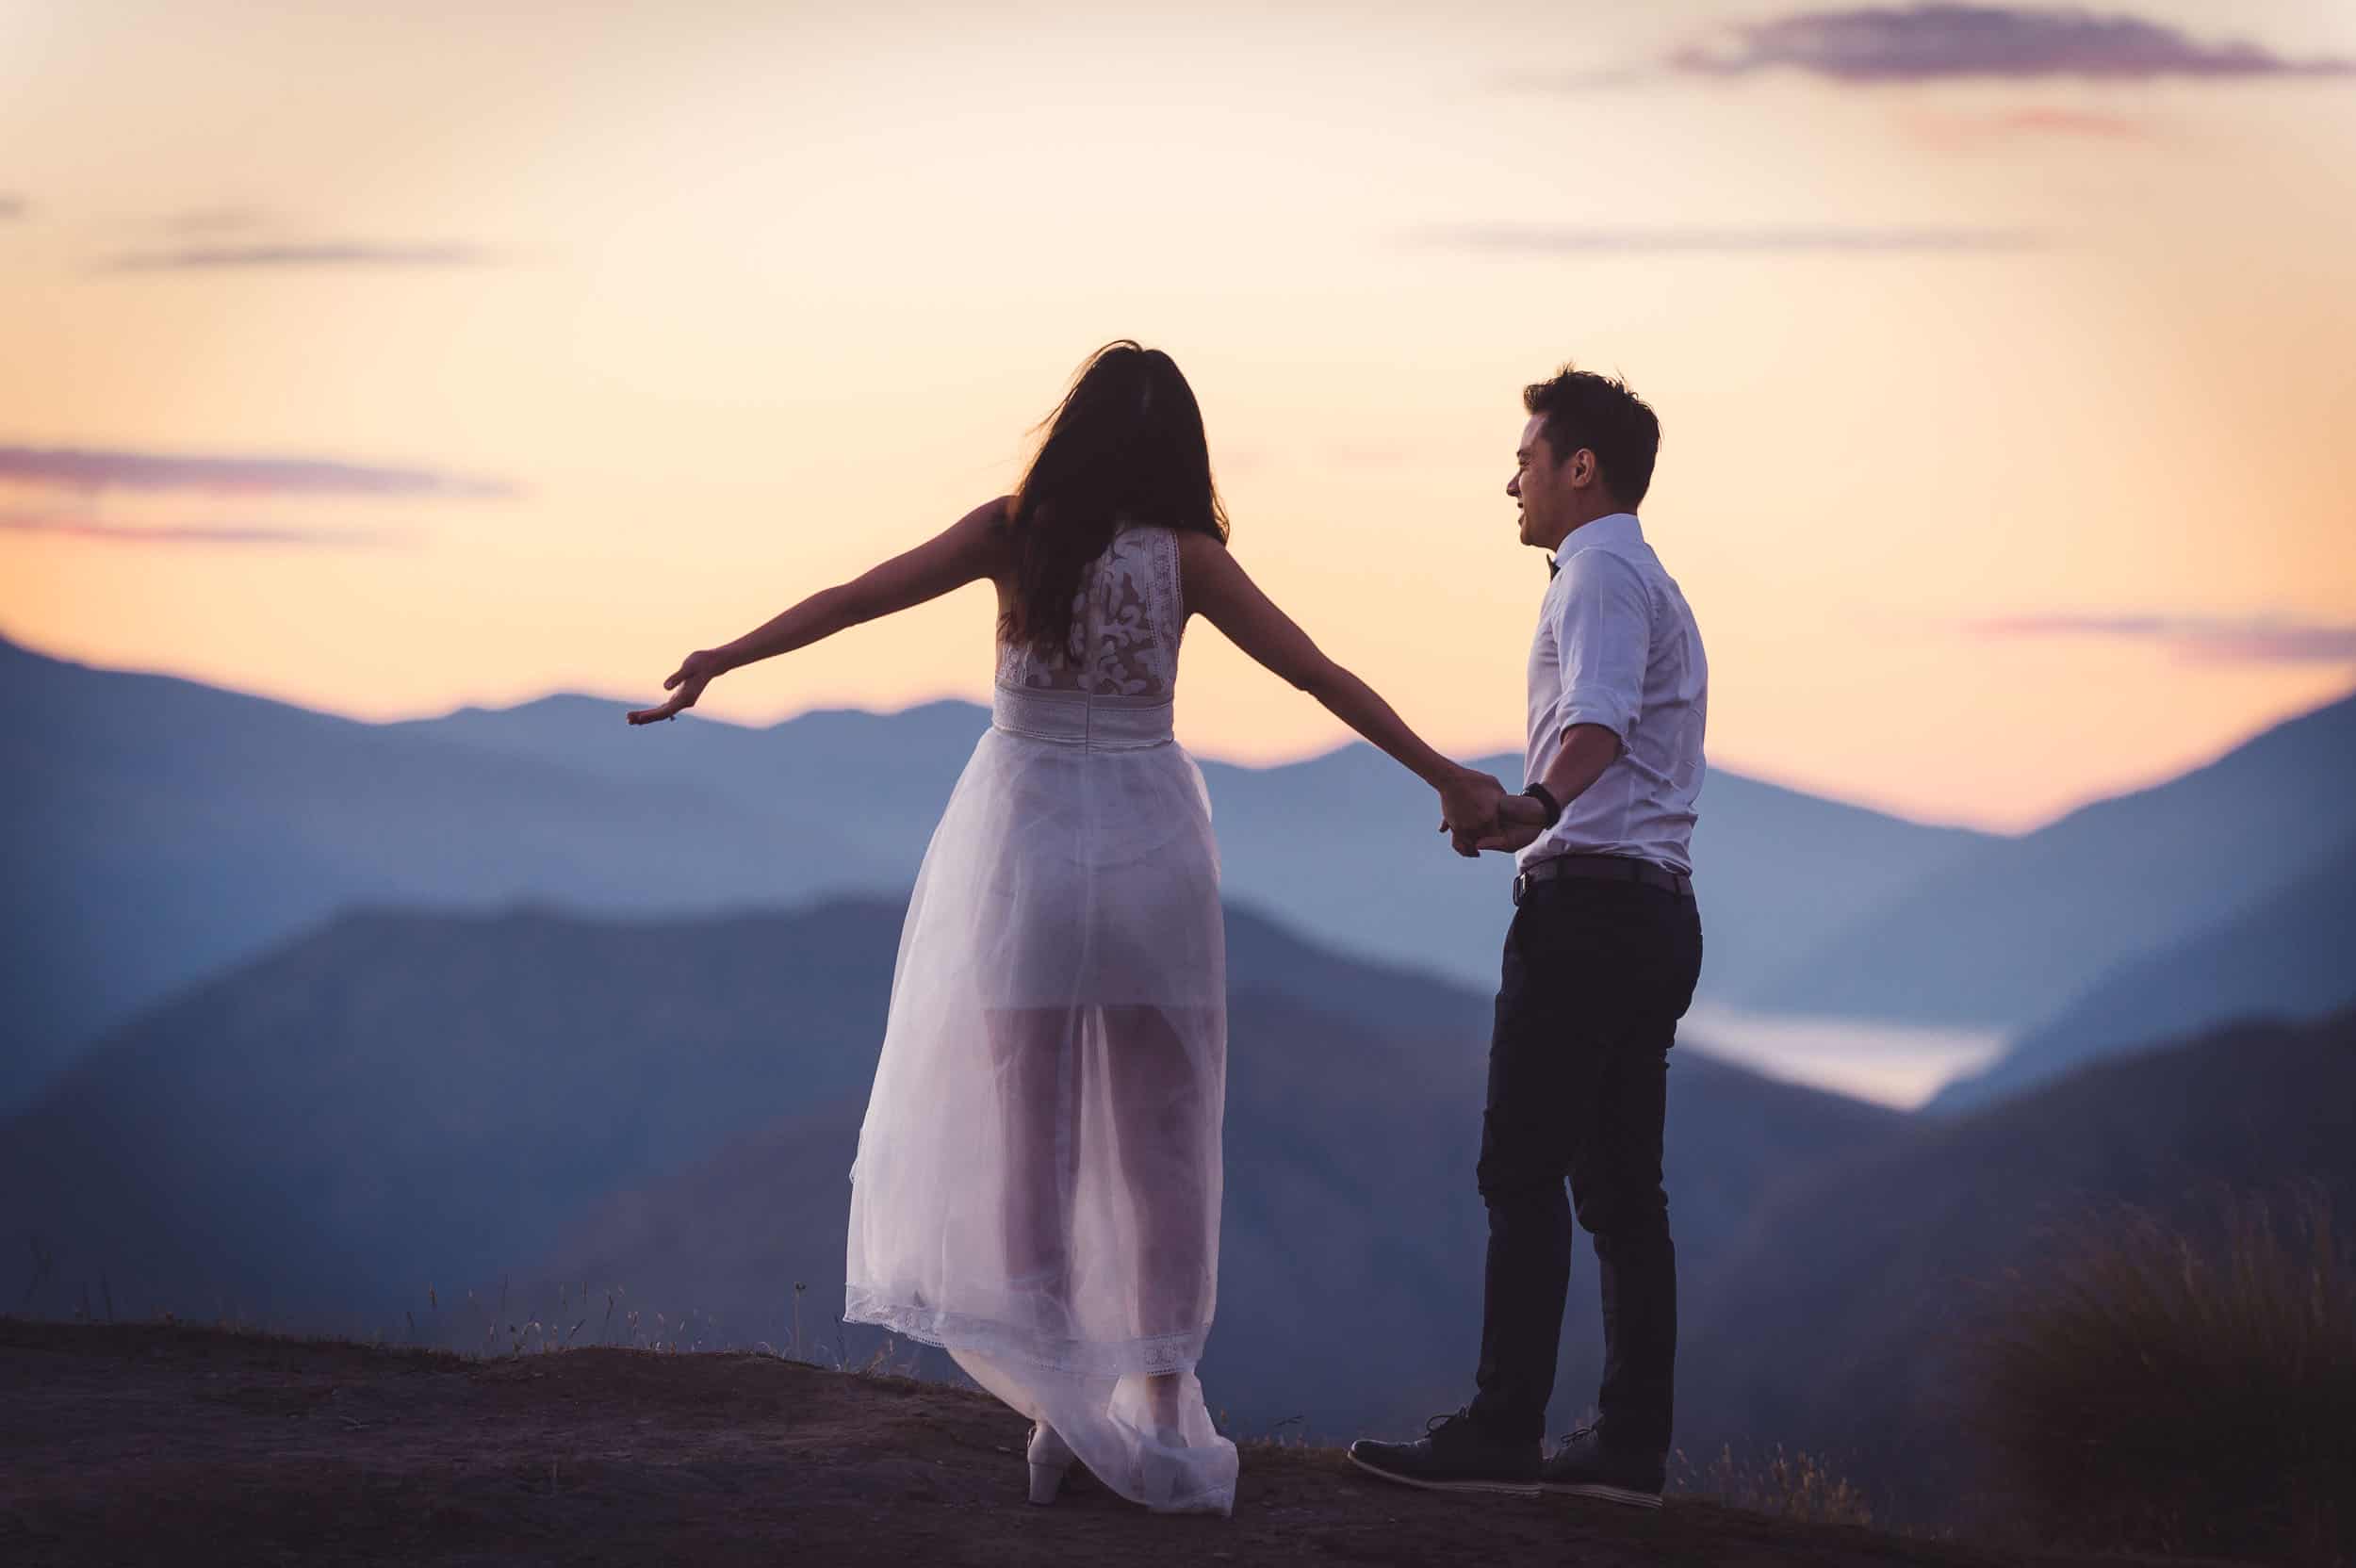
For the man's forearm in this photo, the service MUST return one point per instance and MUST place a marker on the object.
(1588, 749)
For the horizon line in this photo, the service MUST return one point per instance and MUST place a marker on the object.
(1770, 778)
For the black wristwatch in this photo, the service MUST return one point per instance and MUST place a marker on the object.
(1554, 808)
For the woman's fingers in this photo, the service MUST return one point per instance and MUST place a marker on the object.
(686, 683)
(669, 709)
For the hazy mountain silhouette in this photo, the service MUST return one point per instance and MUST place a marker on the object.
(1338, 845)
(1350, 1263)
(2012, 933)
(397, 1098)
(2294, 956)
(1844, 1325)
(402, 1099)
(160, 829)
(1335, 845)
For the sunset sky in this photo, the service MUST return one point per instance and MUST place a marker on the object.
(386, 358)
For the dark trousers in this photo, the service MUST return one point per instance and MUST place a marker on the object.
(1596, 976)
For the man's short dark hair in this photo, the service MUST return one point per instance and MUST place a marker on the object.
(1600, 412)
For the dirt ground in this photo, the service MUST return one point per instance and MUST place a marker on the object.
(168, 1444)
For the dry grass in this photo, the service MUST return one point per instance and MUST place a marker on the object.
(2185, 1390)
(1782, 1485)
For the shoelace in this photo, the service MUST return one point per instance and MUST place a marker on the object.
(1438, 1421)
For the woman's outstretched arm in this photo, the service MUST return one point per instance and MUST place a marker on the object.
(1218, 586)
(968, 549)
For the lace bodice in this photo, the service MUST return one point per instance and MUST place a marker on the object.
(1126, 622)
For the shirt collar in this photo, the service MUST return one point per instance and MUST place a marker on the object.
(1613, 528)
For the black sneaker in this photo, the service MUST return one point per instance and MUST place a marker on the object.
(1453, 1455)
(1582, 1467)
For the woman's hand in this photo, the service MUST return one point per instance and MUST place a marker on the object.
(695, 673)
(1468, 809)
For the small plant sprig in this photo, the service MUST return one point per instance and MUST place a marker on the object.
(1794, 1485)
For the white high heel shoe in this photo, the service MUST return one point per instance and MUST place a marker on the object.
(1050, 1461)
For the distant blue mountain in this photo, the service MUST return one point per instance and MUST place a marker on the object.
(2292, 956)
(160, 829)
(1343, 844)
(2011, 933)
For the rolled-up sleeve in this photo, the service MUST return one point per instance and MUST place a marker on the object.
(1603, 626)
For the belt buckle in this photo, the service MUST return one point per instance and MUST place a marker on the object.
(1521, 885)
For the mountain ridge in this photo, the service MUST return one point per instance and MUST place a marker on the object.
(2291, 956)
(161, 829)
(2008, 935)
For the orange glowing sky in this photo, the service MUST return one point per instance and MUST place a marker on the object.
(2005, 461)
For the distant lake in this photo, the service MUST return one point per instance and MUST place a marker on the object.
(1894, 1063)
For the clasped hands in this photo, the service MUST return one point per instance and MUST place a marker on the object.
(1477, 812)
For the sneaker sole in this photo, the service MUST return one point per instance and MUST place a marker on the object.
(1510, 1488)
(1626, 1497)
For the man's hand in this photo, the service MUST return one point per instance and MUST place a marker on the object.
(1587, 750)
(1520, 820)
(1468, 809)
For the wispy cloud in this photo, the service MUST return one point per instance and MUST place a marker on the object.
(1914, 43)
(2052, 122)
(1964, 132)
(2204, 639)
(337, 253)
(1608, 79)
(212, 219)
(88, 469)
(1564, 240)
(70, 526)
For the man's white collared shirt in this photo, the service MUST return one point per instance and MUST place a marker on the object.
(1616, 646)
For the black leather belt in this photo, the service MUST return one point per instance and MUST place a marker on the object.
(1604, 868)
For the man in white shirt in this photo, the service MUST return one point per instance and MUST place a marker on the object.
(1600, 962)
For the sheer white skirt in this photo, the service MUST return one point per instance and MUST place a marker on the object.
(1036, 1188)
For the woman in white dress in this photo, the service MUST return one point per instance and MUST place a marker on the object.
(1036, 1188)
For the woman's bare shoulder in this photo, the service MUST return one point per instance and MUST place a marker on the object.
(1198, 548)
(1203, 568)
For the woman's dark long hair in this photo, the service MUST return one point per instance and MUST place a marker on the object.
(1126, 447)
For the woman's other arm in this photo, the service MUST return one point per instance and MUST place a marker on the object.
(968, 549)
(1218, 586)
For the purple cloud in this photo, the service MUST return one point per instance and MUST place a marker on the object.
(84, 470)
(72, 527)
(2202, 639)
(1559, 240)
(214, 258)
(1914, 43)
